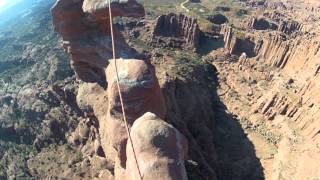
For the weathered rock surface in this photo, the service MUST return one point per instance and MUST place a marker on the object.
(141, 82)
(227, 33)
(161, 150)
(289, 26)
(125, 8)
(87, 38)
(239, 44)
(141, 93)
(176, 30)
(283, 62)
(275, 21)
(90, 47)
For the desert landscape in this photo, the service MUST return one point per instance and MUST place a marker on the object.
(211, 89)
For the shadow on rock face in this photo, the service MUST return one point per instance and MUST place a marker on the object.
(218, 19)
(236, 154)
(209, 43)
(218, 146)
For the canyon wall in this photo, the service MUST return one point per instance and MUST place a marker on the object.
(296, 57)
(283, 61)
(176, 30)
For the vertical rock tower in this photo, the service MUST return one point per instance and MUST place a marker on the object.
(160, 148)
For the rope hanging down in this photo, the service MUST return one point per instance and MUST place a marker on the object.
(119, 91)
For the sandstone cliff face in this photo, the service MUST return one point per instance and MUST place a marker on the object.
(86, 35)
(227, 33)
(125, 8)
(141, 94)
(299, 60)
(157, 141)
(284, 62)
(296, 56)
(239, 43)
(289, 26)
(297, 100)
(177, 30)
(276, 20)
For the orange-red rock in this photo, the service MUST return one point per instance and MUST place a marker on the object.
(125, 8)
(141, 93)
(160, 148)
(84, 27)
(177, 30)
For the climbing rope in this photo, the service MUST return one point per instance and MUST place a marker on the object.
(119, 91)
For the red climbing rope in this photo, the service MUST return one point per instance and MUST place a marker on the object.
(119, 91)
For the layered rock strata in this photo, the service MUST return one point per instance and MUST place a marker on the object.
(176, 30)
(284, 62)
(289, 26)
(237, 44)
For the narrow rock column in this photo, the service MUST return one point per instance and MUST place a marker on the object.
(160, 148)
(141, 93)
(84, 27)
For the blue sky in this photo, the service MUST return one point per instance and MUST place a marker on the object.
(4, 4)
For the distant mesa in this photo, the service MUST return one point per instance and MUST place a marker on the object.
(286, 26)
(176, 31)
